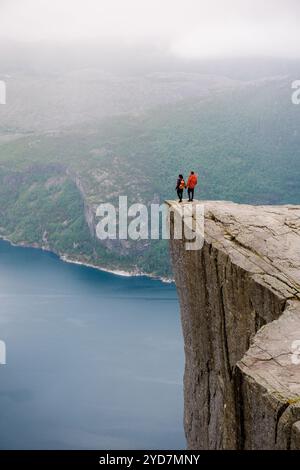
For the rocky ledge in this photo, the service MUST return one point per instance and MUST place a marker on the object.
(240, 307)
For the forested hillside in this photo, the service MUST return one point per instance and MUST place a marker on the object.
(243, 140)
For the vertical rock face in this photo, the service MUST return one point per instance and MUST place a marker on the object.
(240, 307)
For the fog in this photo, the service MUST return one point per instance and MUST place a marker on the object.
(190, 29)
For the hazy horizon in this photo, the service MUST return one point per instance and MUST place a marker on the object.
(188, 29)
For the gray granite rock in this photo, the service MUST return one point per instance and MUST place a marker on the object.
(240, 308)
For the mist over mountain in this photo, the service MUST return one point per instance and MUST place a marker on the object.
(106, 100)
(78, 134)
(53, 87)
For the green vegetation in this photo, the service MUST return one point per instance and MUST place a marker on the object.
(244, 143)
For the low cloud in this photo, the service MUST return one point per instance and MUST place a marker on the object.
(188, 28)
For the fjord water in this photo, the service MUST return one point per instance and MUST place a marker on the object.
(94, 361)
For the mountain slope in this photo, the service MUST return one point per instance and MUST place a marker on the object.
(243, 141)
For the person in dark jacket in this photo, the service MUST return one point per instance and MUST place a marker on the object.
(180, 185)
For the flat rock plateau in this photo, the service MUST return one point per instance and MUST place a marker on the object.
(240, 308)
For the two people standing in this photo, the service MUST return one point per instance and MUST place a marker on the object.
(190, 185)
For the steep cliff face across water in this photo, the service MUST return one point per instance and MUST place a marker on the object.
(240, 307)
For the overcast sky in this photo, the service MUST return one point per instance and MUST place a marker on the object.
(188, 28)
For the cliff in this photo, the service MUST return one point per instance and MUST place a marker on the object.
(240, 307)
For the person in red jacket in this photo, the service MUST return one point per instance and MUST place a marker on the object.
(191, 184)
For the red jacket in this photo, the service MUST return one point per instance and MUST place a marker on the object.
(192, 181)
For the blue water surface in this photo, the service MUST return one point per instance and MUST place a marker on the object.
(94, 360)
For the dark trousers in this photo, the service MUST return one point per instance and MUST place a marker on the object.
(191, 193)
(180, 194)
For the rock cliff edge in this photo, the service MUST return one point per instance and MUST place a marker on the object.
(240, 307)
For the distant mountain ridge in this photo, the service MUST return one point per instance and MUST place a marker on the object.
(241, 137)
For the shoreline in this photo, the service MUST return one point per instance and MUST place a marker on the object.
(116, 272)
(66, 259)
